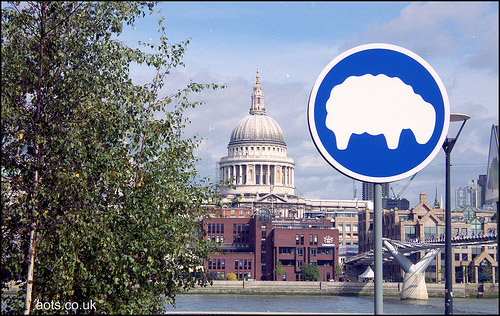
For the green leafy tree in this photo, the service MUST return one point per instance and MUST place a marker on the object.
(338, 271)
(279, 271)
(309, 272)
(100, 193)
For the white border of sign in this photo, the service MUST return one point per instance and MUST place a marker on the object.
(338, 166)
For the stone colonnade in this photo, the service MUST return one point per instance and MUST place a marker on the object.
(258, 174)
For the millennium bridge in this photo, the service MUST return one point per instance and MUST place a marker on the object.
(414, 286)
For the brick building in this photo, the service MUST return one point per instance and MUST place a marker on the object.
(251, 245)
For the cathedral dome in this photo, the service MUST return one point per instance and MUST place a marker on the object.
(257, 128)
(256, 161)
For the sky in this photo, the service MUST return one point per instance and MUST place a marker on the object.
(291, 42)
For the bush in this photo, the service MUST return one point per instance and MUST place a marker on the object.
(231, 277)
(309, 272)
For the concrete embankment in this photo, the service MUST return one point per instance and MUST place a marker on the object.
(338, 288)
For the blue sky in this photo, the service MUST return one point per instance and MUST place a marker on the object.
(291, 42)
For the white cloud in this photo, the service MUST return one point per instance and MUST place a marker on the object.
(459, 40)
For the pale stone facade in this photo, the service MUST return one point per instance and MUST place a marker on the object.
(256, 160)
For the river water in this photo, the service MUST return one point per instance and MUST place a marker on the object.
(325, 304)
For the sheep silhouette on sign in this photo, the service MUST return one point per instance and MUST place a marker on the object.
(378, 105)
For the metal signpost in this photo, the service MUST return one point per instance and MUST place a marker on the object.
(378, 113)
(448, 147)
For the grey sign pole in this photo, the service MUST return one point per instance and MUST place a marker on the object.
(377, 249)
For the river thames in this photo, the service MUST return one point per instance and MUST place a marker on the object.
(325, 304)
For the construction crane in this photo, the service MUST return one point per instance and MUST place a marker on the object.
(396, 197)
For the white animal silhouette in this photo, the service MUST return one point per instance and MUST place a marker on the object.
(378, 105)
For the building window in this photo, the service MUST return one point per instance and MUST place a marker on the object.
(310, 239)
(465, 257)
(287, 250)
(300, 251)
(429, 232)
(209, 228)
(297, 239)
(476, 226)
(316, 239)
(457, 257)
(300, 263)
(301, 239)
(410, 233)
(223, 264)
(236, 264)
(250, 264)
(222, 228)
(218, 228)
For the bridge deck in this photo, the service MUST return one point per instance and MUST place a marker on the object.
(409, 247)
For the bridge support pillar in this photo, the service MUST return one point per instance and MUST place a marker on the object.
(414, 286)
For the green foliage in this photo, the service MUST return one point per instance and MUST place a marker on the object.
(95, 165)
(338, 270)
(309, 272)
(279, 271)
(231, 277)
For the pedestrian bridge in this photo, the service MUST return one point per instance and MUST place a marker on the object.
(414, 286)
(415, 245)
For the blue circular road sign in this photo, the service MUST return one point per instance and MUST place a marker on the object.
(378, 113)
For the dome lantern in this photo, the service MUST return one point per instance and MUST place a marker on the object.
(257, 98)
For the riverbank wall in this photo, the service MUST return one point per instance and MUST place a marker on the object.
(339, 288)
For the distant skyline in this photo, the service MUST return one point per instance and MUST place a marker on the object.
(291, 42)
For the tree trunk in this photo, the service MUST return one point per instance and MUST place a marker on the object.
(38, 159)
(31, 268)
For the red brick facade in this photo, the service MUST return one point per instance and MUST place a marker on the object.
(251, 248)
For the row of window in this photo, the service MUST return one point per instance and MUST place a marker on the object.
(348, 227)
(217, 264)
(218, 228)
(313, 251)
(242, 151)
(215, 228)
(216, 238)
(236, 239)
(430, 232)
(241, 228)
(239, 264)
(243, 264)
(299, 239)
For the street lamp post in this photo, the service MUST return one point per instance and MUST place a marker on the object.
(447, 147)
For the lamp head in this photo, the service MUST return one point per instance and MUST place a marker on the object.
(456, 117)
